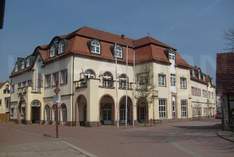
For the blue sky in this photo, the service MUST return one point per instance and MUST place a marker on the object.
(195, 27)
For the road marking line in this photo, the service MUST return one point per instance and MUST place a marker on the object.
(79, 149)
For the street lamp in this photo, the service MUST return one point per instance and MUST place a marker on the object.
(56, 101)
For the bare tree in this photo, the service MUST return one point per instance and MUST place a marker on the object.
(229, 36)
(145, 87)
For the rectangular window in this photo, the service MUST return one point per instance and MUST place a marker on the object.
(183, 83)
(173, 80)
(172, 56)
(22, 65)
(162, 108)
(0, 102)
(184, 108)
(55, 78)
(205, 93)
(196, 91)
(28, 62)
(12, 88)
(118, 50)
(48, 81)
(63, 77)
(30, 83)
(24, 84)
(162, 80)
(19, 85)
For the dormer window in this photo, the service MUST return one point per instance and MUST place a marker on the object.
(52, 51)
(95, 47)
(28, 62)
(204, 77)
(118, 51)
(193, 73)
(172, 56)
(16, 67)
(22, 65)
(61, 47)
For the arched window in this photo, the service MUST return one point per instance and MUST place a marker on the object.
(63, 113)
(61, 47)
(107, 80)
(89, 73)
(123, 81)
(95, 47)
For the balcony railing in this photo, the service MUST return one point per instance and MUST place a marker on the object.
(108, 84)
(81, 84)
(25, 90)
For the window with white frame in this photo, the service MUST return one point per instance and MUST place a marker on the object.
(118, 51)
(90, 74)
(184, 108)
(48, 80)
(108, 81)
(183, 83)
(123, 81)
(205, 93)
(63, 77)
(162, 80)
(162, 108)
(171, 56)
(196, 91)
(55, 78)
(16, 67)
(173, 80)
(52, 51)
(61, 47)
(22, 65)
(95, 47)
(12, 88)
(28, 62)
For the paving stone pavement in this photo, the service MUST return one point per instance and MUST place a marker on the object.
(57, 148)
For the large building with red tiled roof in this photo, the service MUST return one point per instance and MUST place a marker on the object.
(100, 75)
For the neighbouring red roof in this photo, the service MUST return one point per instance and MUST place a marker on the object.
(225, 73)
(149, 40)
(204, 78)
(2, 84)
(146, 49)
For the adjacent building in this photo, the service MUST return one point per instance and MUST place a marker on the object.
(203, 94)
(225, 87)
(104, 78)
(4, 101)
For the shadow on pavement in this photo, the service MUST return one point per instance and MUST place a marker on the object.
(203, 127)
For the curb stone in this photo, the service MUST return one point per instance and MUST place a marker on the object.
(225, 138)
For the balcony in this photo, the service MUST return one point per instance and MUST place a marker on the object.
(107, 84)
(81, 84)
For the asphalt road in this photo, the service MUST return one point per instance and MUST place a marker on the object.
(178, 139)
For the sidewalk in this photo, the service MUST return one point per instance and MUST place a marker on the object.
(227, 135)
